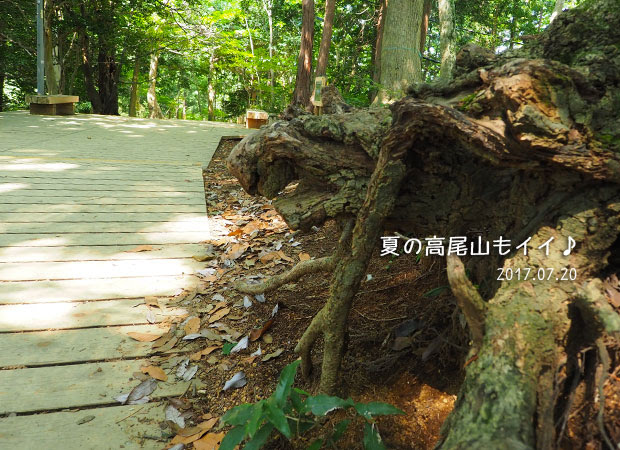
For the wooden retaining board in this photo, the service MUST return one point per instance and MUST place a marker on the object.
(52, 291)
(94, 270)
(132, 427)
(97, 252)
(45, 348)
(70, 315)
(77, 385)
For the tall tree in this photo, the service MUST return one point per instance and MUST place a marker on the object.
(301, 95)
(326, 37)
(447, 38)
(426, 13)
(400, 49)
(151, 96)
(557, 9)
(133, 96)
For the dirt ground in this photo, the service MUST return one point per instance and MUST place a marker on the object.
(406, 343)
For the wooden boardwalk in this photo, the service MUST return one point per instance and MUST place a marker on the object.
(78, 195)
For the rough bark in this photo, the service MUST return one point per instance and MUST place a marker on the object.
(376, 75)
(51, 80)
(89, 80)
(326, 38)
(447, 38)
(400, 52)
(557, 9)
(133, 95)
(151, 96)
(2, 77)
(301, 94)
(426, 12)
(522, 145)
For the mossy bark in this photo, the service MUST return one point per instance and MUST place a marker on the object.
(520, 145)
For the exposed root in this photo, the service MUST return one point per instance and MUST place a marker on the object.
(302, 268)
(467, 297)
(596, 310)
(600, 418)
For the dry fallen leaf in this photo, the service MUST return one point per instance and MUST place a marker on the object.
(151, 300)
(155, 372)
(256, 333)
(196, 356)
(143, 337)
(191, 434)
(210, 441)
(141, 248)
(192, 326)
(218, 315)
(304, 257)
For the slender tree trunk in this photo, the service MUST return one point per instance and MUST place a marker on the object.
(426, 12)
(400, 52)
(2, 76)
(301, 95)
(151, 96)
(326, 38)
(50, 71)
(108, 79)
(376, 75)
(448, 50)
(211, 88)
(89, 81)
(271, 74)
(133, 97)
(557, 9)
(253, 88)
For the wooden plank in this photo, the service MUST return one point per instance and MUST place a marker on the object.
(96, 217)
(76, 207)
(43, 348)
(94, 175)
(112, 428)
(23, 193)
(93, 270)
(93, 289)
(96, 200)
(64, 240)
(97, 253)
(76, 385)
(36, 317)
(101, 227)
(51, 99)
(90, 186)
(17, 165)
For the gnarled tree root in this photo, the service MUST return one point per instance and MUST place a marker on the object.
(467, 297)
(331, 321)
(299, 270)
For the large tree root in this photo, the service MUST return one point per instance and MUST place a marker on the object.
(331, 321)
(301, 269)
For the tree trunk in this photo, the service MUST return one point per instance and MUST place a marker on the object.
(557, 9)
(151, 96)
(426, 12)
(500, 149)
(376, 74)
(301, 95)
(326, 38)
(400, 52)
(108, 79)
(448, 44)
(2, 77)
(133, 96)
(211, 88)
(89, 81)
(51, 79)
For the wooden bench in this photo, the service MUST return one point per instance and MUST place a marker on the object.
(52, 105)
(255, 118)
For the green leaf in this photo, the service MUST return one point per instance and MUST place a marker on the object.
(238, 415)
(297, 402)
(372, 439)
(338, 430)
(302, 392)
(278, 419)
(322, 404)
(285, 382)
(233, 438)
(227, 347)
(435, 292)
(316, 445)
(369, 410)
(259, 438)
(256, 419)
